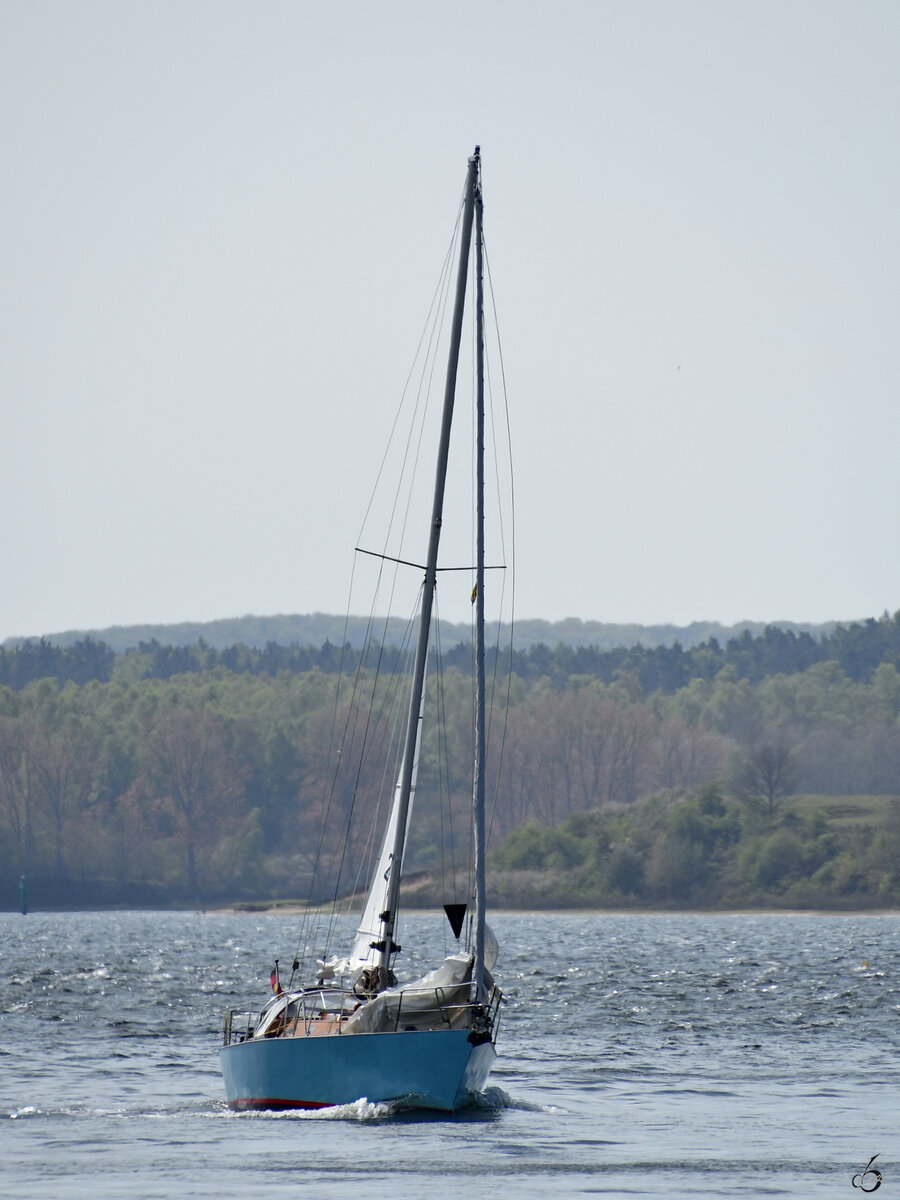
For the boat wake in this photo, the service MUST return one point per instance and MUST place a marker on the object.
(496, 1100)
(490, 1102)
(478, 1105)
(359, 1110)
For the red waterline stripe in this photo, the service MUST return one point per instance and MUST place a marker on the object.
(257, 1102)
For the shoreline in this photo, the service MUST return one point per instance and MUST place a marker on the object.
(269, 909)
(297, 911)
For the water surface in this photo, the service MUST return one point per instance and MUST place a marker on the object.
(659, 1056)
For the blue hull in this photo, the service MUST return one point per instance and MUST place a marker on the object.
(429, 1069)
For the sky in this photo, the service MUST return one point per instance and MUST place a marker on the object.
(221, 227)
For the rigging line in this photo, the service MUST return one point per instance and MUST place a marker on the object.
(308, 925)
(366, 864)
(493, 692)
(505, 709)
(394, 577)
(437, 310)
(505, 393)
(354, 796)
(350, 724)
(445, 791)
(384, 707)
(312, 923)
(395, 574)
(429, 366)
(347, 751)
(373, 715)
(495, 443)
(504, 731)
(432, 322)
(404, 654)
(415, 432)
(512, 575)
(439, 324)
(493, 701)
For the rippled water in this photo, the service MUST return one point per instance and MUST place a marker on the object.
(662, 1056)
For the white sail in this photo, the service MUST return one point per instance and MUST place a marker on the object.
(371, 927)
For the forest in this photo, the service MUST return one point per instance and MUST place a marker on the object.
(761, 771)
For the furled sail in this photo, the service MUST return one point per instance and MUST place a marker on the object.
(371, 927)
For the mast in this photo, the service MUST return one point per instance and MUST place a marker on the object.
(386, 946)
(478, 796)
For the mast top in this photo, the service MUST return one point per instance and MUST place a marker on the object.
(475, 163)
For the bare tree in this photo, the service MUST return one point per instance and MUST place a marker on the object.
(766, 775)
(196, 776)
(15, 788)
(688, 755)
(63, 764)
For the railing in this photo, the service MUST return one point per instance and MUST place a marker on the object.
(305, 1011)
(451, 1010)
(299, 1019)
(230, 1034)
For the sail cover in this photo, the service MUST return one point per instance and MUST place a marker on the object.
(439, 1000)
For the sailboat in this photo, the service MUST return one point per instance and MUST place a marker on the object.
(354, 1032)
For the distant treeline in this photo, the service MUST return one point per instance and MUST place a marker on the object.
(81, 663)
(314, 629)
(857, 648)
(196, 775)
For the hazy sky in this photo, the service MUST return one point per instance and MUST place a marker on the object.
(222, 222)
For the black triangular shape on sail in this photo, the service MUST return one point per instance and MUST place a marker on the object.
(456, 914)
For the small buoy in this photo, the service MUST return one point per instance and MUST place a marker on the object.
(865, 962)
